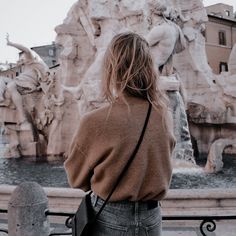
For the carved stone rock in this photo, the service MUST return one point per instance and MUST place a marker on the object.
(209, 105)
(214, 160)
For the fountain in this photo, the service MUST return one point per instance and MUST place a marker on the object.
(209, 99)
(53, 109)
(53, 103)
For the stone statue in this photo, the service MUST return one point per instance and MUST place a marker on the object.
(3, 86)
(33, 71)
(192, 63)
(100, 21)
(164, 37)
(100, 28)
(174, 30)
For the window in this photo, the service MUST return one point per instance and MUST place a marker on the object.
(222, 38)
(51, 52)
(223, 67)
(227, 12)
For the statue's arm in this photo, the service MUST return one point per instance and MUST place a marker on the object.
(20, 47)
(155, 35)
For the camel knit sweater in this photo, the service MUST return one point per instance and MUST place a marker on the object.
(105, 141)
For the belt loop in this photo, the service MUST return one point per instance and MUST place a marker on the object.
(95, 200)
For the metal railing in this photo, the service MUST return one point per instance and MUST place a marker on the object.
(68, 221)
(3, 230)
(207, 224)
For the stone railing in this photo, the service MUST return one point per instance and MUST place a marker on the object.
(28, 208)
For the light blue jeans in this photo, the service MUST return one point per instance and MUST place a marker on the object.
(126, 218)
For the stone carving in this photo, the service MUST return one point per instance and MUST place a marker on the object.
(29, 123)
(10, 146)
(95, 22)
(193, 61)
(4, 97)
(100, 26)
(28, 81)
(214, 159)
(99, 21)
(210, 98)
(174, 30)
(213, 106)
(165, 38)
(54, 114)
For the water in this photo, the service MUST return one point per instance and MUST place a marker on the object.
(47, 174)
(198, 179)
(52, 174)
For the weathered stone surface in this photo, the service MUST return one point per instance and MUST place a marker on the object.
(208, 103)
(98, 21)
(214, 160)
(26, 211)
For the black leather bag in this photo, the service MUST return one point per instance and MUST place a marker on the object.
(85, 217)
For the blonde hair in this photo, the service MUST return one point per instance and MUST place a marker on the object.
(128, 68)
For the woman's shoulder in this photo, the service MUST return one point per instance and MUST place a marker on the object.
(95, 117)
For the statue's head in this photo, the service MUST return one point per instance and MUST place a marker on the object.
(23, 59)
(26, 58)
(157, 6)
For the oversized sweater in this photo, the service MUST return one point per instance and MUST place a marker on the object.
(104, 142)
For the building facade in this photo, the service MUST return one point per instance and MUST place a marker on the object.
(49, 53)
(220, 36)
(10, 70)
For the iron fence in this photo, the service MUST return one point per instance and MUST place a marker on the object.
(3, 230)
(207, 224)
(68, 221)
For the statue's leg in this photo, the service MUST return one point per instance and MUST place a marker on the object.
(2, 90)
(18, 102)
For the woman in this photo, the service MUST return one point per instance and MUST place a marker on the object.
(107, 136)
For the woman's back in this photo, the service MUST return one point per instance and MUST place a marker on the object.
(107, 138)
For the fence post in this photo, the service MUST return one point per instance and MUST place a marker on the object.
(26, 211)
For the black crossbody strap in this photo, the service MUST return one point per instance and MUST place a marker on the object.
(129, 162)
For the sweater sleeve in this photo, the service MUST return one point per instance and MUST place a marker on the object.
(78, 164)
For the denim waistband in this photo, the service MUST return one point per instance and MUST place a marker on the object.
(142, 205)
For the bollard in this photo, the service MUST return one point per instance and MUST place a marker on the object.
(26, 211)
